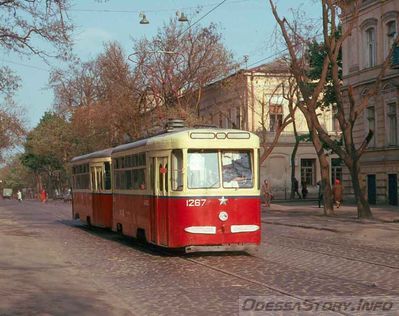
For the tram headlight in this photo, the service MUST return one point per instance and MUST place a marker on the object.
(223, 216)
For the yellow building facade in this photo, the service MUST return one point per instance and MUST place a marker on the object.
(257, 100)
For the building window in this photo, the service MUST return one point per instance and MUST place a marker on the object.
(391, 34)
(370, 47)
(392, 124)
(336, 169)
(308, 171)
(276, 117)
(371, 123)
(236, 118)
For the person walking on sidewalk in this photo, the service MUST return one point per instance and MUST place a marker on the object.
(19, 196)
(43, 196)
(266, 190)
(296, 187)
(304, 189)
(337, 193)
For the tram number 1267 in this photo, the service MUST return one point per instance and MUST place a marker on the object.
(195, 202)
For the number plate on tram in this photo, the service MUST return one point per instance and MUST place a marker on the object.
(195, 202)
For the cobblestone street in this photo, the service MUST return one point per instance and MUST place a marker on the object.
(52, 265)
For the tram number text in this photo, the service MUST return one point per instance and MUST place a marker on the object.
(195, 202)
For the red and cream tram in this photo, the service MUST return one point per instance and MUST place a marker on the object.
(196, 189)
(92, 191)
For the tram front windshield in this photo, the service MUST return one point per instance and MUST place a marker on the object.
(214, 169)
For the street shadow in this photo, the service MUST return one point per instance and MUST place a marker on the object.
(108, 234)
(59, 301)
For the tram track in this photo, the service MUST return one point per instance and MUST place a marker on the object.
(259, 283)
(335, 255)
(276, 289)
(359, 246)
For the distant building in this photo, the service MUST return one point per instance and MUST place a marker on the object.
(253, 100)
(363, 55)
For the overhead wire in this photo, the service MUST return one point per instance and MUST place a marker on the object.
(152, 11)
(24, 65)
(202, 17)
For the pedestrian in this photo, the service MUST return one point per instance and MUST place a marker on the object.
(321, 191)
(19, 196)
(337, 193)
(43, 196)
(304, 189)
(296, 187)
(266, 189)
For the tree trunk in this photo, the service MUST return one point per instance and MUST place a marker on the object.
(325, 181)
(363, 207)
(293, 155)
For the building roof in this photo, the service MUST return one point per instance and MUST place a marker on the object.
(276, 66)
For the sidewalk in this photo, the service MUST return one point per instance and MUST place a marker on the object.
(307, 214)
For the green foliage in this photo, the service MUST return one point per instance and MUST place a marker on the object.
(48, 149)
(15, 175)
(304, 137)
(316, 55)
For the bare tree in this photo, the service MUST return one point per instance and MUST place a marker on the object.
(101, 99)
(26, 25)
(175, 66)
(28, 28)
(350, 153)
(11, 126)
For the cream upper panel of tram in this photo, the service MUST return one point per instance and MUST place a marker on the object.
(192, 138)
(97, 156)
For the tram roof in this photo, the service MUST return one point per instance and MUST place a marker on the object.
(186, 134)
(105, 153)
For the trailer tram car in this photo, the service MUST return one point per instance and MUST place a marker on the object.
(92, 191)
(193, 189)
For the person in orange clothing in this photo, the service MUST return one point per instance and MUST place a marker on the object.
(337, 193)
(43, 196)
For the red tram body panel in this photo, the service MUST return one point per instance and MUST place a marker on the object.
(102, 210)
(203, 226)
(82, 205)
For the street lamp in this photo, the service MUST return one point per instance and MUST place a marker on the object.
(182, 17)
(143, 18)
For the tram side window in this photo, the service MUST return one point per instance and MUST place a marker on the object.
(128, 176)
(81, 177)
(107, 175)
(129, 172)
(177, 170)
(237, 169)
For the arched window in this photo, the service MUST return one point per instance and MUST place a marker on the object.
(390, 23)
(371, 47)
(369, 39)
(390, 95)
(392, 120)
(370, 116)
(391, 32)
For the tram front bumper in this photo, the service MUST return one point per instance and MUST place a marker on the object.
(220, 248)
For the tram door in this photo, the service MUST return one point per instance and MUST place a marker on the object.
(159, 209)
(97, 187)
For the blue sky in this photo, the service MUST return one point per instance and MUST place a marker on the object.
(247, 27)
